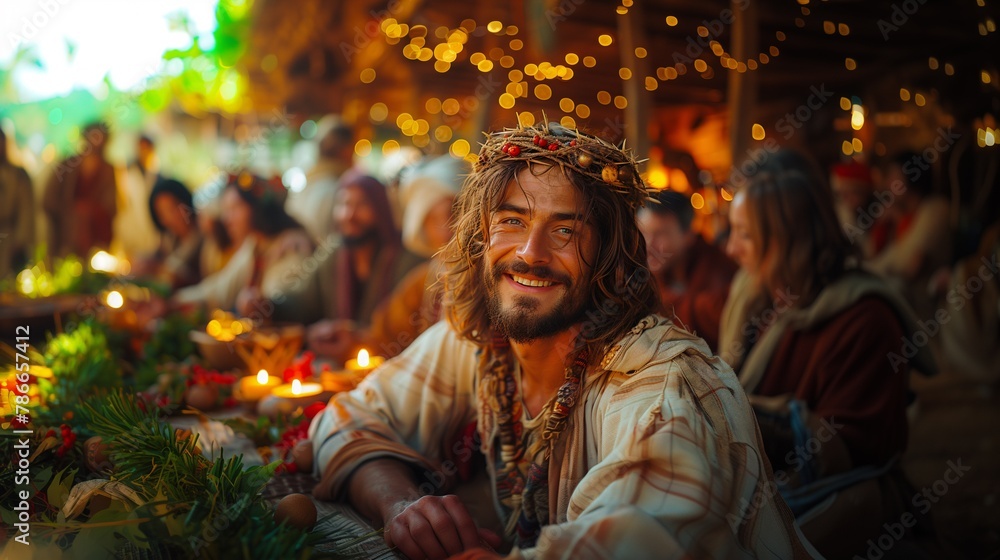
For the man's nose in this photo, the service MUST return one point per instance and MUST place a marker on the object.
(535, 248)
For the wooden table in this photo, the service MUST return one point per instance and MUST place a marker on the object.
(40, 315)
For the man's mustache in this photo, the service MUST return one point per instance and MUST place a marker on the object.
(539, 272)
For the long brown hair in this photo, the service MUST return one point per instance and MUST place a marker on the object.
(621, 293)
(801, 245)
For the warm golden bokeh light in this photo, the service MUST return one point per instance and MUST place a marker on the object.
(460, 148)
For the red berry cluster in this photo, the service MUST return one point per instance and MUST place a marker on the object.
(544, 143)
(289, 438)
(295, 434)
(201, 376)
(144, 400)
(512, 150)
(68, 437)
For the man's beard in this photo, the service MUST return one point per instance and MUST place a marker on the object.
(365, 238)
(521, 323)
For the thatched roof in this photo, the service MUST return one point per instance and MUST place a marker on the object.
(321, 47)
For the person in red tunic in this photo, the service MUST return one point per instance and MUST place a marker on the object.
(81, 198)
(824, 350)
(692, 276)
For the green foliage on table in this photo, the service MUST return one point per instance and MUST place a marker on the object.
(170, 343)
(83, 366)
(68, 276)
(194, 506)
(264, 431)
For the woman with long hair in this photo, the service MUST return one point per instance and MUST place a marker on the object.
(177, 258)
(818, 345)
(271, 244)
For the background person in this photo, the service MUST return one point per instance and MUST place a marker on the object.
(313, 205)
(17, 214)
(271, 244)
(816, 343)
(692, 276)
(80, 198)
(177, 260)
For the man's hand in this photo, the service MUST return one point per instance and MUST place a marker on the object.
(437, 527)
(331, 338)
(385, 491)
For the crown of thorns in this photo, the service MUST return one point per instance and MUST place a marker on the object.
(584, 154)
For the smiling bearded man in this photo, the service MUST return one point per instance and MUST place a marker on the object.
(607, 431)
(535, 282)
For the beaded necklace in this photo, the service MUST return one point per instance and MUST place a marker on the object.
(524, 497)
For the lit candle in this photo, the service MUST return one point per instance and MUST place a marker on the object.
(364, 364)
(349, 377)
(103, 261)
(284, 399)
(254, 388)
(115, 300)
(297, 390)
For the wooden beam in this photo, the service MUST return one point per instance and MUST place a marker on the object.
(632, 34)
(741, 92)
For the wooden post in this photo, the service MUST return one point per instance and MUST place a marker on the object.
(632, 34)
(741, 94)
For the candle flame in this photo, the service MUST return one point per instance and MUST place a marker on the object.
(115, 299)
(363, 358)
(103, 261)
(296, 387)
(262, 377)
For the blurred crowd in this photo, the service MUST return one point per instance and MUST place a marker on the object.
(827, 291)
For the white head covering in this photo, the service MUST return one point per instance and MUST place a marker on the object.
(392, 166)
(421, 187)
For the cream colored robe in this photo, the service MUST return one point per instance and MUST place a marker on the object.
(284, 260)
(662, 457)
